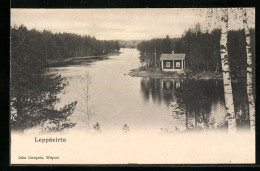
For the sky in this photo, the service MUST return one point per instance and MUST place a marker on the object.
(119, 24)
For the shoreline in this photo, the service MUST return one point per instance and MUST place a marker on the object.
(157, 73)
(60, 62)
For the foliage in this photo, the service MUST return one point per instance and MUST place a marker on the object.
(33, 93)
(202, 50)
(33, 99)
(47, 45)
(158, 46)
(126, 128)
(196, 99)
(97, 127)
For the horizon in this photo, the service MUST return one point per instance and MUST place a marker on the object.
(122, 24)
(95, 37)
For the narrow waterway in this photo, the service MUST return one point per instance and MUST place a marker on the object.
(160, 116)
(106, 95)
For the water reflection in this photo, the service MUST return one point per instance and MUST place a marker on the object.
(195, 104)
(78, 61)
(106, 95)
(158, 89)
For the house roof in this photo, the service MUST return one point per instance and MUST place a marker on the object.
(172, 56)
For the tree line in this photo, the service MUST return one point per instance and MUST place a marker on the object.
(33, 93)
(151, 50)
(46, 45)
(201, 49)
(230, 51)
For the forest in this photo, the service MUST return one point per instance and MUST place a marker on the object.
(202, 50)
(47, 45)
(222, 50)
(33, 93)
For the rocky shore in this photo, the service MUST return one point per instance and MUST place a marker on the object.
(157, 73)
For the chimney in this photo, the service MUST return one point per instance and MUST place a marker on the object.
(172, 52)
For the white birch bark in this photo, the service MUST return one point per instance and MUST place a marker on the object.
(249, 76)
(231, 118)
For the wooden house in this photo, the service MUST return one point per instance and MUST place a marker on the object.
(173, 62)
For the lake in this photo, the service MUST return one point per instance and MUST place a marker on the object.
(140, 120)
(107, 95)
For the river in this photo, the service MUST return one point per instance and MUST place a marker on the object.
(107, 95)
(140, 120)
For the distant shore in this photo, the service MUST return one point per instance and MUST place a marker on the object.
(61, 62)
(157, 73)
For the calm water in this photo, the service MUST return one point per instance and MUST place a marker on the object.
(154, 110)
(107, 95)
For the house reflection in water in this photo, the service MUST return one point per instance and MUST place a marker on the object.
(159, 90)
(192, 104)
(162, 91)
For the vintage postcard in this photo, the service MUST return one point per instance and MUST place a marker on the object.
(132, 86)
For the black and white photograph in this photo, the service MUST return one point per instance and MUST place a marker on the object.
(132, 86)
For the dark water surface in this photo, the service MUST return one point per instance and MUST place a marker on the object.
(107, 95)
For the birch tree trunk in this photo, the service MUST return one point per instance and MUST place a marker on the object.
(249, 76)
(231, 118)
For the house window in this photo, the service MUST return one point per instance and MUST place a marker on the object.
(168, 64)
(178, 64)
